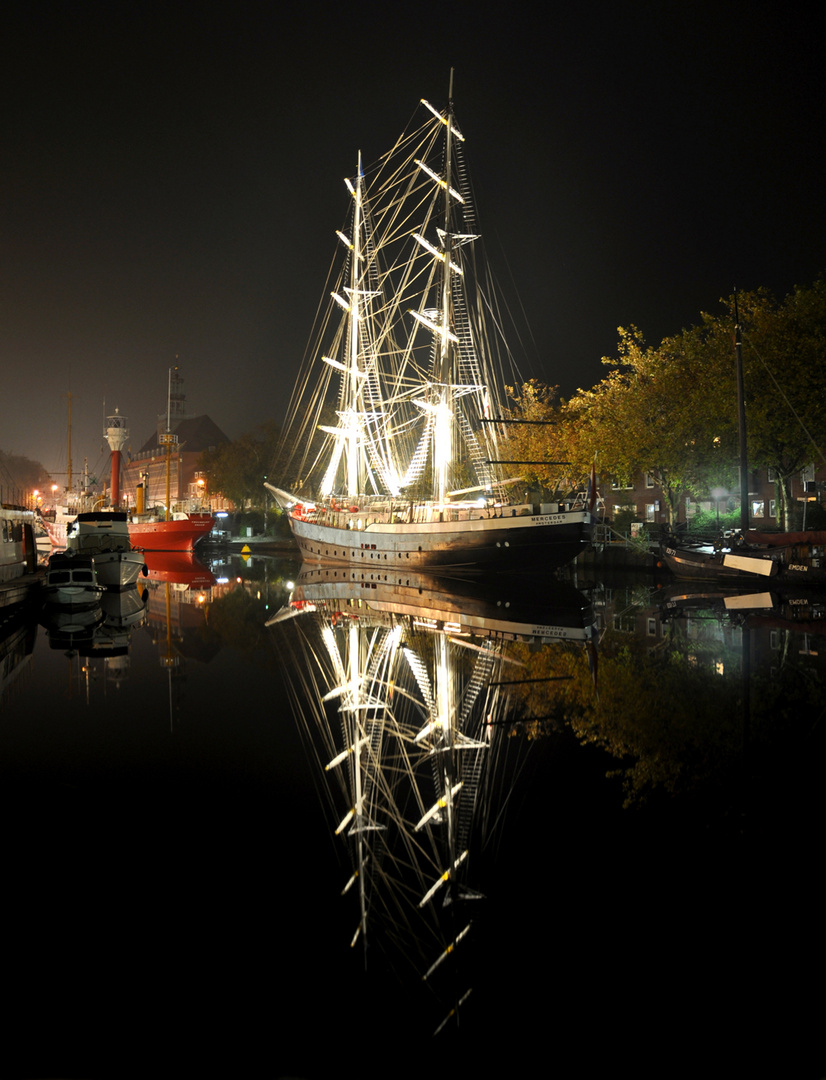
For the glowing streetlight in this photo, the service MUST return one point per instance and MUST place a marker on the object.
(717, 494)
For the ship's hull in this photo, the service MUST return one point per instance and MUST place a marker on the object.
(547, 539)
(180, 534)
(56, 531)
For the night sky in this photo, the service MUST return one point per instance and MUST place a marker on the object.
(171, 183)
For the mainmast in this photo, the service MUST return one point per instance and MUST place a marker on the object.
(168, 439)
(355, 318)
(443, 432)
(69, 447)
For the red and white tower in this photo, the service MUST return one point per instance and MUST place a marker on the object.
(116, 434)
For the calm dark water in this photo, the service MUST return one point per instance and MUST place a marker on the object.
(173, 884)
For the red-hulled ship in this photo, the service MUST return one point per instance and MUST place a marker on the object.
(180, 533)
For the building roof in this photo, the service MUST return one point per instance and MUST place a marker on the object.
(195, 434)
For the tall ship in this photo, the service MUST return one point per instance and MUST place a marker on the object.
(395, 423)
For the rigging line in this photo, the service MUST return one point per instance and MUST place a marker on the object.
(783, 395)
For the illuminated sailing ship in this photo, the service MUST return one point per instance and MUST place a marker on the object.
(395, 423)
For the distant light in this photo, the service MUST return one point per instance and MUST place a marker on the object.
(221, 514)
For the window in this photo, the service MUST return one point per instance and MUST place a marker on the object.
(758, 508)
(651, 511)
(649, 480)
(772, 508)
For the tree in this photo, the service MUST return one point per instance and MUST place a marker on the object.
(784, 357)
(238, 468)
(646, 417)
(20, 476)
(671, 410)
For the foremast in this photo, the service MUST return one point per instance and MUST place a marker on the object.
(361, 407)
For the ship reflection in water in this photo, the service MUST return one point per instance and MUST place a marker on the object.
(405, 689)
(468, 880)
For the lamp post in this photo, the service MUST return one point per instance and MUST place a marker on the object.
(717, 494)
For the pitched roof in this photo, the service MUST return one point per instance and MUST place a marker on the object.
(196, 433)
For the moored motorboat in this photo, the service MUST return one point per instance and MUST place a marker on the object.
(104, 535)
(779, 558)
(71, 581)
(415, 371)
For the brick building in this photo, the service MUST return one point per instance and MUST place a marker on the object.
(191, 437)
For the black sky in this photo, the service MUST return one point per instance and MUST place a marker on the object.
(171, 183)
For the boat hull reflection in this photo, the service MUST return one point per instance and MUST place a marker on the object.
(511, 606)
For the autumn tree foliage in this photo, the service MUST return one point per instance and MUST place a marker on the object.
(535, 442)
(671, 410)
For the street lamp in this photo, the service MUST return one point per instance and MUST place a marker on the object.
(717, 494)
